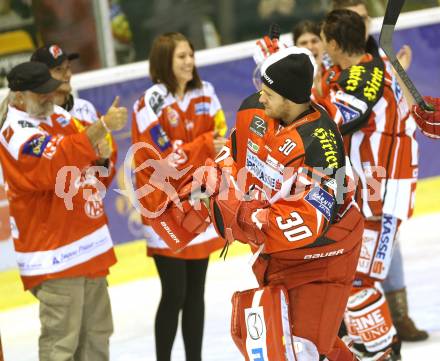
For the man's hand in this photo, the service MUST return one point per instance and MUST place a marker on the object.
(404, 55)
(219, 143)
(116, 116)
(104, 148)
(427, 120)
(264, 48)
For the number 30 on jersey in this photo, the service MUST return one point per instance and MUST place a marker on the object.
(294, 227)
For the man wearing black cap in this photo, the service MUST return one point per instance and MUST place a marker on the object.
(58, 62)
(59, 228)
(288, 200)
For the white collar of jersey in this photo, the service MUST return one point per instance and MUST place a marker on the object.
(17, 114)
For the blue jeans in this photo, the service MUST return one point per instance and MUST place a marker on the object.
(396, 278)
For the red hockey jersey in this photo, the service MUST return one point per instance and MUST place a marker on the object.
(178, 135)
(367, 103)
(58, 222)
(300, 168)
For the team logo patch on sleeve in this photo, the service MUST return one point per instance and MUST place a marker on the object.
(258, 126)
(51, 146)
(321, 200)
(36, 146)
(159, 137)
(348, 114)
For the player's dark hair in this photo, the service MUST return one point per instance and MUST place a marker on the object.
(303, 27)
(346, 28)
(161, 62)
(342, 4)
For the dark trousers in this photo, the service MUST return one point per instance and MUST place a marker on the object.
(183, 288)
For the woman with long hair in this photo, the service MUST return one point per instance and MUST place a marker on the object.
(181, 121)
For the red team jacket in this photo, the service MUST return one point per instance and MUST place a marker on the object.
(368, 105)
(53, 237)
(178, 137)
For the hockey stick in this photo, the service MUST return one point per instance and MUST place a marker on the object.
(386, 43)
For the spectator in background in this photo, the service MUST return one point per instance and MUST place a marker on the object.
(148, 19)
(62, 242)
(394, 285)
(181, 118)
(72, 22)
(306, 34)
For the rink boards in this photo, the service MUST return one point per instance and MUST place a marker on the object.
(229, 69)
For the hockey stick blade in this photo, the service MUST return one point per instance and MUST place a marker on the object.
(386, 43)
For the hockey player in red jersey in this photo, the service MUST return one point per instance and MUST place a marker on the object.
(361, 92)
(280, 185)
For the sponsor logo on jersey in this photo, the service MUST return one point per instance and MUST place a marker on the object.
(159, 137)
(25, 124)
(327, 139)
(172, 116)
(389, 227)
(354, 77)
(36, 146)
(321, 200)
(369, 241)
(156, 102)
(94, 206)
(263, 172)
(348, 114)
(201, 108)
(275, 164)
(351, 101)
(323, 255)
(258, 126)
(62, 121)
(253, 146)
(372, 88)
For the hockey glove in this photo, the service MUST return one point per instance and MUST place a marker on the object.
(186, 217)
(428, 121)
(238, 219)
(264, 48)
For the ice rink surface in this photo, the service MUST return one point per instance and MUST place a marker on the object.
(134, 305)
